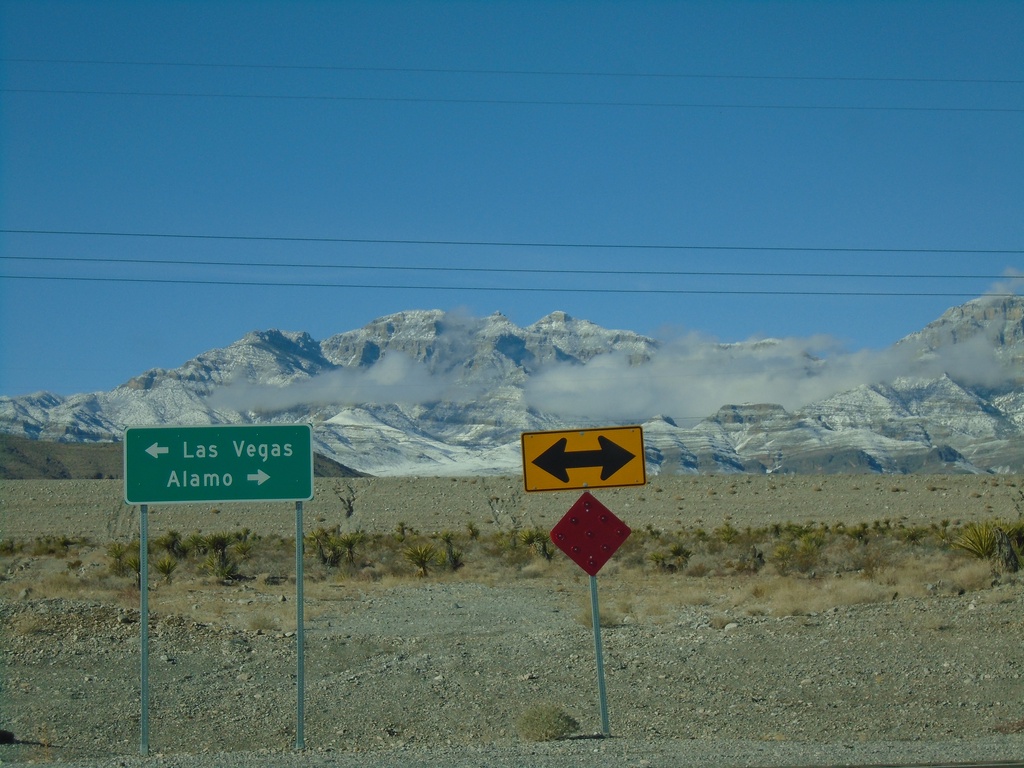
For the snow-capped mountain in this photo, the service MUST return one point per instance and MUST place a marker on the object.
(435, 393)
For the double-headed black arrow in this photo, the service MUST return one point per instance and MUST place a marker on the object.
(610, 457)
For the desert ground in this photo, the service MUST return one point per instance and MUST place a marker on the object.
(748, 620)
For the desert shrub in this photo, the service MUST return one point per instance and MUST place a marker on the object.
(676, 557)
(117, 552)
(244, 549)
(348, 543)
(978, 539)
(58, 546)
(133, 565)
(422, 556)
(545, 722)
(860, 532)
(194, 544)
(680, 553)
(262, 622)
(660, 561)
(727, 533)
(749, 562)
(166, 566)
(220, 566)
(452, 556)
(807, 552)
(172, 544)
(608, 617)
(912, 535)
(802, 555)
(333, 547)
(219, 563)
(320, 540)
(782, 557)
(942, 529)
(218, 543)
(537, 540)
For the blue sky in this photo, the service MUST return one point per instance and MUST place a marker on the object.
(392, 156)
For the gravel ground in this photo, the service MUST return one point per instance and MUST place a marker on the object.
(437, 672)
(440, 673)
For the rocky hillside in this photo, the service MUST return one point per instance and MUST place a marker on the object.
(435, 393)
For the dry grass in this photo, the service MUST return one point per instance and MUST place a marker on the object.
(545, 722)
(781, 570)
(29, 624)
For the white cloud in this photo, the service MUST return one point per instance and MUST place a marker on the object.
(1014, 282)
(396, 378)
(690, 377)
(694, 377)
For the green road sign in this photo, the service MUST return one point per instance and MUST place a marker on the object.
(178, 464)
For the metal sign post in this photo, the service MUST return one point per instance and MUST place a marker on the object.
(300, 634)
(220, 463)
(589, 534)
(144, 625)
(602, 694)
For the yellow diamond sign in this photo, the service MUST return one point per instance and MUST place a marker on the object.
(583, 458)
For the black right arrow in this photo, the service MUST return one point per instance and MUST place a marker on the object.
(610, 457)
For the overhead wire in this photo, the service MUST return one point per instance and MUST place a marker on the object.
(514, 72)
(589, 272)
(498, 270)
(507, 73)
(511, 243)
(499, 243)
(511, 102)
(501, 288)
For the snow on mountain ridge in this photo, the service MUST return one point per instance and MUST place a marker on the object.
(430, 392)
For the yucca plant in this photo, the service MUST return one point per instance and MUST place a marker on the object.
(978, 539)
(422, 556)
(117, 552)
(133, 564)
(172, 544)
(218, 543)
(243, 549)
(220, 566)
(660, 561)
(166, 566)
(194, 544)
(538, 540)
(727, 533)
(680, 554)
(807, 553)
(348, 542)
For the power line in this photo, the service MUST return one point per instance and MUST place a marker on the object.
(497, 270)
(496, 289)
(511, 243)
(517, 72)
(507, 102)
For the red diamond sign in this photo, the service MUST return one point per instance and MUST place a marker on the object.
(589, 533)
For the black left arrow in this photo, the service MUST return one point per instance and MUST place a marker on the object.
(610, 457)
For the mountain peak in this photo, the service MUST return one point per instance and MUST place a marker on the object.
(434, 392)
(998, 319)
